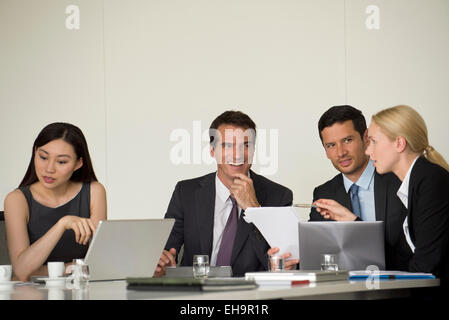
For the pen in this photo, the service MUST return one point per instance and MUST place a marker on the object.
(304, 205)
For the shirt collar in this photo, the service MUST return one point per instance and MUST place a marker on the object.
(364, 180)
(403, 189)
(221, 190)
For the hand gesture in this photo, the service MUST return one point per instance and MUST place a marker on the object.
(331, 209)
(242, 190)
(84, 228)
(289, 264)
(167, 259)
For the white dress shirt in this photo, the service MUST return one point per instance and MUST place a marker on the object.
(403, 196)
(223, 207)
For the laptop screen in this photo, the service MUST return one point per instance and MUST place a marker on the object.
(127, 248)
(357, 244)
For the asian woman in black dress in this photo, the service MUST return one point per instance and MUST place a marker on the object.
(58, 205)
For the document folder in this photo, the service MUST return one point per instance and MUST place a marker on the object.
(189, 284)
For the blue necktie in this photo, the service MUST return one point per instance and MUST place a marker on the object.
(354, 191)
(227, 240)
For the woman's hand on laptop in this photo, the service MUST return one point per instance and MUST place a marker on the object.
(167, 259)
(331, 209)
(84, 228)
(288, 264)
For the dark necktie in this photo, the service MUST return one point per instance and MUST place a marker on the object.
(227, 240)
(354, 191)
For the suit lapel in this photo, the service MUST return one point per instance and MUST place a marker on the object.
(411, 189)
(409, 210)
(380, 198)
(205, 200)
(341, 196)
(244, 228)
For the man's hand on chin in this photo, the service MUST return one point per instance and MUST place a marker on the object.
(242, 190)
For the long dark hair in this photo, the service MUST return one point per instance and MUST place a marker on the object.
(70, 134)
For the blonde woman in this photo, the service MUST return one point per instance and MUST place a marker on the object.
(399, 144)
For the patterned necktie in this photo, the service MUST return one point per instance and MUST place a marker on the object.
(227, 240)
(354, 191)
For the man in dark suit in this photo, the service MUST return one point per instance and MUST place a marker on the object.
(204, 207)
(343, 133)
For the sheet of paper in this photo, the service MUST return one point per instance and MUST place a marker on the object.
(279, 226)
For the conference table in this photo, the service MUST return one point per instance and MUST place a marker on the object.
(117, 290)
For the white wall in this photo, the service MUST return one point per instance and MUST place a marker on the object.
(48, 74)
(137, 70)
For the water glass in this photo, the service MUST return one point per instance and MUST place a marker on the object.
(80, 274)
(329, 262)
(276, 263)
(200, 266)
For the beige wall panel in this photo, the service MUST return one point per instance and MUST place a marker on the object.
(405, 61)
(170, 63)
(49, 73)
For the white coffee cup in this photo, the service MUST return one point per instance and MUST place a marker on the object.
(55, 294)
(55, 269)
(5, 273)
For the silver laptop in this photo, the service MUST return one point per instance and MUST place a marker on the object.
(357, 244)
(127, 248)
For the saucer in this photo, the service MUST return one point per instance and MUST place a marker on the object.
(7, 285)
(54, 282)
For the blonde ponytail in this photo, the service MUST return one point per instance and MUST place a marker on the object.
(435, 157)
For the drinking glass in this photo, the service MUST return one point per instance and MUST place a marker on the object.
(200, 266)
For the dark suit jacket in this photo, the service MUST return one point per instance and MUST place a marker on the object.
(193, 205)
(428, 214)
(388, 208)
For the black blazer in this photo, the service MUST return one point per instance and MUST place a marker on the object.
(388, 208)
(428, 218)
(193, 206)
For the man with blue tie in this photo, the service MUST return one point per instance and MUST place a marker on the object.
(209, 210)
(358, 191)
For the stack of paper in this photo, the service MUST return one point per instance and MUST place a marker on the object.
(279, 226)
(292, 277)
